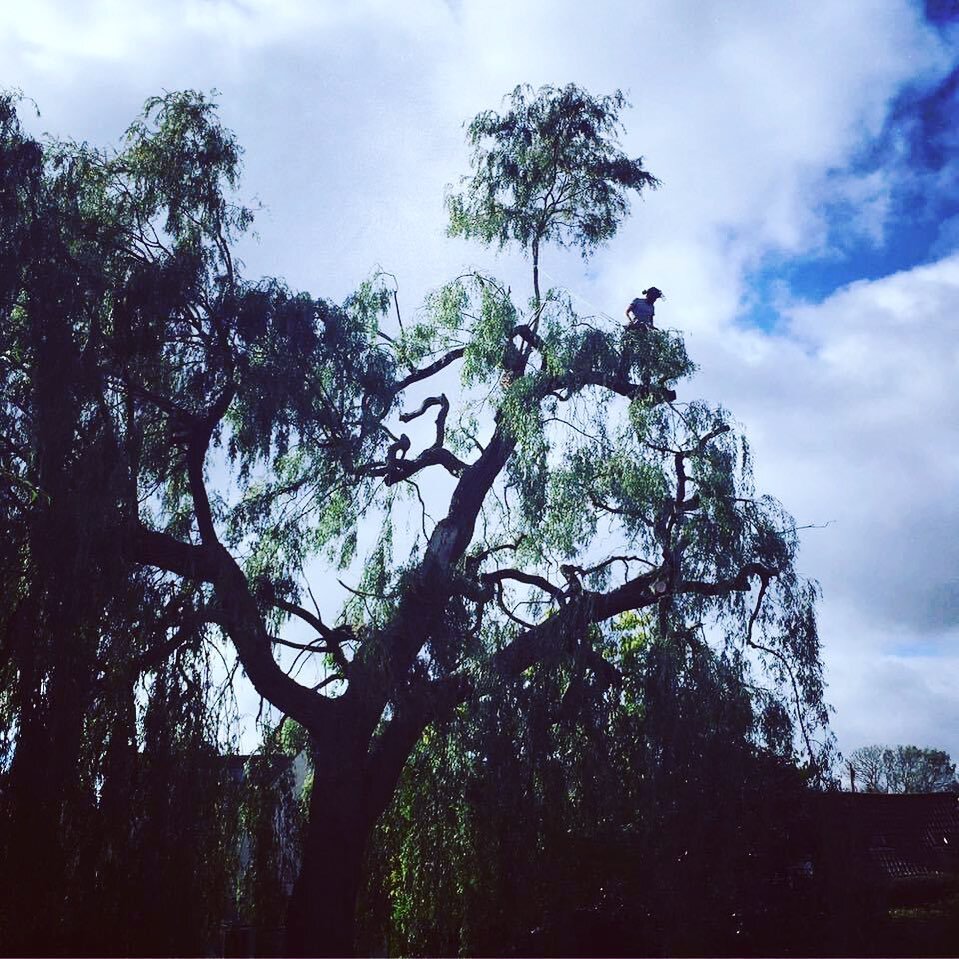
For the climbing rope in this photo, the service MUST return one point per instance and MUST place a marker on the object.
(596, 310)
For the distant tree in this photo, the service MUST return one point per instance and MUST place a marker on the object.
(135, 357)
(865, 770)
(902, 769)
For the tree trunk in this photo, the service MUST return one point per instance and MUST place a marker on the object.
(321, 918)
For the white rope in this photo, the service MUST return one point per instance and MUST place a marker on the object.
(595, 308)
(583, 299)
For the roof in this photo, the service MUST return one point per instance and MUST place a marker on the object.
(905, 837)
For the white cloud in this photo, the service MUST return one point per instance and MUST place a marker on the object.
(851, 410)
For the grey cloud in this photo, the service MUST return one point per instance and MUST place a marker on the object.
(895, 699)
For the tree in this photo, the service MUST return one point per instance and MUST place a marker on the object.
(901, 769)
(565, 456)
(647, 819)
(104, 663)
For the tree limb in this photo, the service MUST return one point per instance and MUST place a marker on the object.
(332, 637)
(398, 469)
(236, 611)
(531, 579)
(428, 371)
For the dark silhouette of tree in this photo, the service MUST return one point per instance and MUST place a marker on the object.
(110, 742)
(135, 356)
(901, 769)
(557, 818)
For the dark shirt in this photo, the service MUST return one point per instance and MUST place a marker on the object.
(642, 311)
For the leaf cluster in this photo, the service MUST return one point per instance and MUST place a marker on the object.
(547, 170)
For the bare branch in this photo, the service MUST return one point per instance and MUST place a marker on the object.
(423, 512)
(311, 619)
(430, 401)
(428, 371)
(531, 579)
(532, 339)
(501, 602)
(444, 404)
(333, 638)
(316, 646)
(698, 448)
(397, 469)
(361, 594)
(625, 560)
(477, 559)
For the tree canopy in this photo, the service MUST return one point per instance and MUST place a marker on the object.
(189, 454)
(901, 769)
(549, 170)
(640, 821)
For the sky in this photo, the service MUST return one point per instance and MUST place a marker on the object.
(806, 233)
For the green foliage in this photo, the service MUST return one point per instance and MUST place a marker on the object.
(271, 822)
(495, 321)
(120, 301)
(183, 823)
(293, 738)
(180, 160)
(134, 355)
(374, 600)
(656, 350)
(547, 170)
(645, 816)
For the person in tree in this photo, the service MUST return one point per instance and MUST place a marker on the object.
(635, 343)
(641, 311)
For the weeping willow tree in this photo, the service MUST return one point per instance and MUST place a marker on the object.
(114, 835)
(654, 817)
(557, 485)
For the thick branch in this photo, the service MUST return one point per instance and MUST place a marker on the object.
(444, 404)
(546, 642)
(398, 469)
(236, 611)
(152, 548)
(541, 642)
(195, 455)
(200, 429)
(332, 637)
(430, 401)
(532, 339)
(531, 579)
(425, 703)
(574, 381)
(428, 371)
(243, 621)
(737, 584)
(453, 533)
